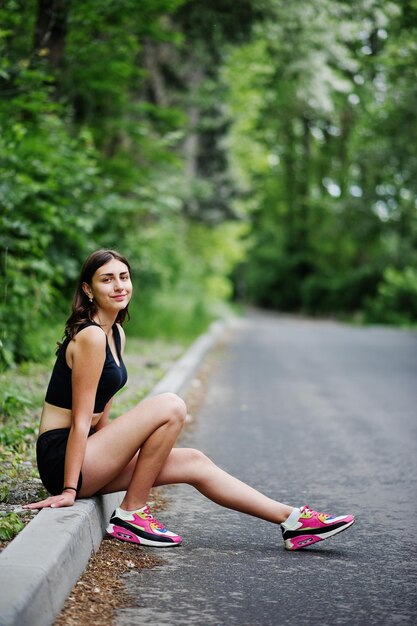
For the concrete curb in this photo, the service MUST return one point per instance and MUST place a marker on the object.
(179, 377)
(41, 565)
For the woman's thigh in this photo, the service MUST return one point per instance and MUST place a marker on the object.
(183, 465)
(111, 452)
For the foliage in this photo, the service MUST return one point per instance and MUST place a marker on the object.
(396, 298)
(92, 128)
(10, 526)
(322, 104)
(47, 188)
(190, 278)
(12, 403)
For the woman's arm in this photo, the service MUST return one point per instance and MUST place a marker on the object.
(105, 418)
(86, 358)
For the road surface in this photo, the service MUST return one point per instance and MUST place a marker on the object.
(308, 412)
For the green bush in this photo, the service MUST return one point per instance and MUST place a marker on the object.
(47, 185)
(172, 314)
(396, 299)
(338, 293)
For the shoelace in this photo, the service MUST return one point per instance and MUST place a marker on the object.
(309, 511)
(151, 518)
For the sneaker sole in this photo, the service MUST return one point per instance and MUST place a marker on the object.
(122, 534)
(304, 541)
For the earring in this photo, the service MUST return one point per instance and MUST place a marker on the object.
(91, 299)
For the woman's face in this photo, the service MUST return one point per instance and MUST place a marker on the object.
(111, 287)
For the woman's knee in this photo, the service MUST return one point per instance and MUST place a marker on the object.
(174, 408)
(196, 459)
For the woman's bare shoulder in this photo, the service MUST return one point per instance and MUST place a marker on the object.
(90, 341)
(91, 335)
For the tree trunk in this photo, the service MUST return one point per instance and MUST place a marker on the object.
(290, 183)
(51, 29)
(303, 212)
(156, 79)
(192, 143)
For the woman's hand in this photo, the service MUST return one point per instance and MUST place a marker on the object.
(66, 498)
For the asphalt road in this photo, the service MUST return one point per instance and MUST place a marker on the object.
(308, 412)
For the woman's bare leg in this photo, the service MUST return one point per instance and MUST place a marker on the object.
(186, 465)
(153, 426)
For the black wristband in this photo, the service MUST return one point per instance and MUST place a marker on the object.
(73, 488)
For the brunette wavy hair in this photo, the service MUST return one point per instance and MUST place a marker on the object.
(83, 310)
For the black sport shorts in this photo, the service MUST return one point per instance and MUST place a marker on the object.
(50, 455)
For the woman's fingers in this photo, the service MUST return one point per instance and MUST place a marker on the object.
(38, 505)
(54, 502)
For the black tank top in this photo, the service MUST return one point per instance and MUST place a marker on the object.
(113, 377)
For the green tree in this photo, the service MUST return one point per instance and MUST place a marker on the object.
(316, 97)
(95, 119)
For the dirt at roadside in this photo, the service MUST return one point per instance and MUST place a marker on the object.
(101, 590)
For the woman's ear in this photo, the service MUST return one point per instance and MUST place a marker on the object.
(87, 290)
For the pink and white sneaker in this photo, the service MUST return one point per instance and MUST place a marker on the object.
(312, 527)
(141, 527)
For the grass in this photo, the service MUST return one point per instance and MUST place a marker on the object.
(170, 316)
